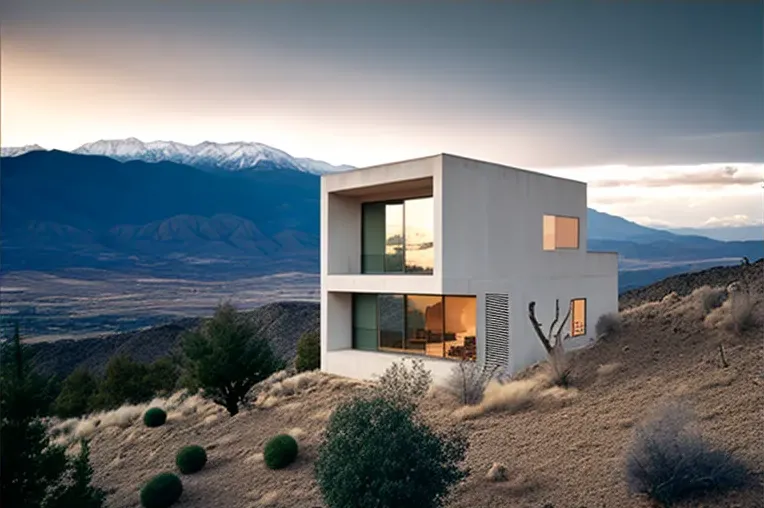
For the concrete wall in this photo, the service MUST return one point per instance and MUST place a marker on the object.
(488, 239)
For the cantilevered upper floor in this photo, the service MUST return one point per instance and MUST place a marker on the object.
(451, 225)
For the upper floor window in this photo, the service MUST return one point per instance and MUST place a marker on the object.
(397, 236)
(560, 232)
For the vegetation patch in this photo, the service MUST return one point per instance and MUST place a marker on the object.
(191, 459)
(161, 491)
(376, 453)
(154, 417)
(670, 463)
(280, 451)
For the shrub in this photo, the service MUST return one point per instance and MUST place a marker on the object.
(154, 417)
(468, 381)
(161, 491)
(402, 385)
(608, 325)
(76, 394)
(711, 298)
(376, 454)
(225, 359)
(670, 463)
(742, 312)
(35, 472)
(308, 352)
(191, 459)
(280, 451)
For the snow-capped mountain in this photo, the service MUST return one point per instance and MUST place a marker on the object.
(229, 156)
(14, 151)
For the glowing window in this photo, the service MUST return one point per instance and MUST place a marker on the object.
(578, 317)
(560, 232)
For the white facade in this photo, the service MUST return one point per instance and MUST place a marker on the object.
(487, 239)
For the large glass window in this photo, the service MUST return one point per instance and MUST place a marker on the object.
(391, 322)
(460, 327)
(420, 253)
(373, 238)
(424, 324)
(560, 232)
(438, 326)
(397, 236)
(365, 321)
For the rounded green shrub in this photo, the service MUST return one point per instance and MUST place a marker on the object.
(161, 491)
(154, 417)
(280, 451)
(191, 459)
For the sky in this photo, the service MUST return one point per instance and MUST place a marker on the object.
(658, 105)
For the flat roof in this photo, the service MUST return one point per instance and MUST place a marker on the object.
(453, 156)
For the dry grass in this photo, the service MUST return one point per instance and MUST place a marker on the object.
(560, 447)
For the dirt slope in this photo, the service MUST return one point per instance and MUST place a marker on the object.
(565, 453)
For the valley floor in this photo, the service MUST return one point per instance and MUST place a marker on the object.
(565, 451)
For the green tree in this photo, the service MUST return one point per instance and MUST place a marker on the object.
(225, 359)
(35, 472)
(124, 382)
(76, 393)
(308, 352)
(376, 454)
(162, 376)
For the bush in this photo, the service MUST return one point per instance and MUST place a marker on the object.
(376, 454)
(280, 451)
(161, 491)
(608, 325)
(225, 359)
(191, 459)
(76, 394)
(711, 298)
(308, 352)
(154, 417)
(35, 472)
(402, 385)
(468, 381)
(670, 463)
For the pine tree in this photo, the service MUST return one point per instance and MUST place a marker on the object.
(35, 473)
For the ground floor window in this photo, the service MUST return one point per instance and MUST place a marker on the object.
(578, 317)
(437, 326)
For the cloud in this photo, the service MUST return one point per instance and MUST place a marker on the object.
(732, 221)
(720, 176)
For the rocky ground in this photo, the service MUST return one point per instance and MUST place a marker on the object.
(561, 448)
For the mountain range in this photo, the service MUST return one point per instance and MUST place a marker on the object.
(213, 216)
(207, 155)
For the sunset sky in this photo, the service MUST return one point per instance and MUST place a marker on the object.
(652, 103)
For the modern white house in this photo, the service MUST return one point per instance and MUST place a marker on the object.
(438, 259)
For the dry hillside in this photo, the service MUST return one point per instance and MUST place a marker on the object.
(562, 448)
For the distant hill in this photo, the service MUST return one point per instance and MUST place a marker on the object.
(61, 210)
(280, 323)
(725, 234)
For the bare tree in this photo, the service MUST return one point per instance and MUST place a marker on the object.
(552, 342)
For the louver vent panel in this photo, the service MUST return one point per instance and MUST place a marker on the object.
(497, 330)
